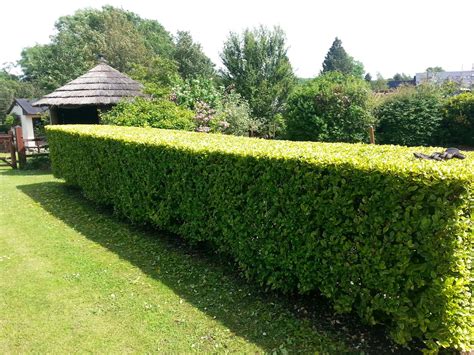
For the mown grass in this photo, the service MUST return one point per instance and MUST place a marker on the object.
(74, 278)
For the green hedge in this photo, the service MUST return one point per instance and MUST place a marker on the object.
(410, 116)
(330, 108)
(370, 227)
(457, 126)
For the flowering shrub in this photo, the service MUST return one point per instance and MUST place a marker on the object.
(192, 91)
(203, 117)
(233, 116)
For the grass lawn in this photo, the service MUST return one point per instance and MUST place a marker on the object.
(74, 278)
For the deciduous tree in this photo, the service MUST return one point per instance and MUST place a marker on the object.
(192, 62)
(257, 65)
(121, 36)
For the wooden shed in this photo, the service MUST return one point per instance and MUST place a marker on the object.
(29, 117)
(81, 100)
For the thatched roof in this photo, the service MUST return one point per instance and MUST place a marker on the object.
(102, 85)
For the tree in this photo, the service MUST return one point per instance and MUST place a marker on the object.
(11, 87)
(192, 62)
(380, 84)
(333, 107)
(434, 70)
(121, 36)
(337, 59)
(402, 77)
(368, 77)
(257, 66)
(192, 91)
(159, 75)
(432, 73)
(357, 68)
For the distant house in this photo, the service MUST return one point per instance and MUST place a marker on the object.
(30, 117)
(81, 100)
(464, 78)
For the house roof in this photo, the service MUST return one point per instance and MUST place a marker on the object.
(102, 85)
(26, 105)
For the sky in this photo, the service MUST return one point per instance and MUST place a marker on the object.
(387, 36)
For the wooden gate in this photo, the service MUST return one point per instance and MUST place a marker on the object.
(7, 150)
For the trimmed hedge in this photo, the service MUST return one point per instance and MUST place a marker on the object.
(457, 126)
(332, 108)
(370, 227)
(410, 116)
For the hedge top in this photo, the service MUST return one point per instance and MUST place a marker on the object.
(387, 158)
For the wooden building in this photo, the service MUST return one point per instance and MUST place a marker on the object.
(81, 100)
(28, 116)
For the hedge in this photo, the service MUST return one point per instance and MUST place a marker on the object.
(370, 227)
(457, 126)
(410, 116)
(330, 108)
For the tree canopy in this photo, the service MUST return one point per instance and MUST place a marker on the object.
(402, 77)
(191, 60)
(11, 87)
(122, 37)
(337, 59)
(257, 65)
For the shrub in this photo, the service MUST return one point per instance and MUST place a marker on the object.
(195, 90)
(8, 122)
(457, 125)
(333, 107)
(11, 120)
(143, 112)
(233, 116)
(411, 116)
(370, 227)
(216, 110)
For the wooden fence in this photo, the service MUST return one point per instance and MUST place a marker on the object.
(19, 149)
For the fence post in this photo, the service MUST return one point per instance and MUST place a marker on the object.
(12, 149)
(372, 134)
(20, 147)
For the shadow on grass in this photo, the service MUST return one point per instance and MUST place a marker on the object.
(210, 283)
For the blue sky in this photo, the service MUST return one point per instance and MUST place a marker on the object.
(386, 36)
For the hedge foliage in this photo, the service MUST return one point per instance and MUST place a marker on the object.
(144, 112)
(332, 108)
(370, 227)
(457, 126)
(411, 116)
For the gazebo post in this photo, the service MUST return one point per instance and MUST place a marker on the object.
(53, 115)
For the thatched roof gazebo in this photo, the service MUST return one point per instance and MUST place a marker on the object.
(80, 100)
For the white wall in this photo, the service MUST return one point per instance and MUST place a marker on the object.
(26, 123)
(28, 132)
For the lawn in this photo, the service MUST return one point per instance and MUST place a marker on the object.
(74, 278)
